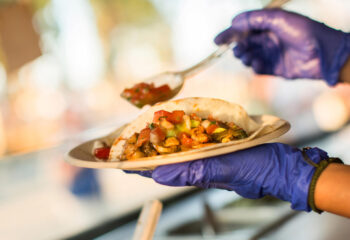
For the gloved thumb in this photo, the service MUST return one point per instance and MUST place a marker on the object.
(225, 37)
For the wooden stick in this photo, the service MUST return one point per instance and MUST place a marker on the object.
(147, 221)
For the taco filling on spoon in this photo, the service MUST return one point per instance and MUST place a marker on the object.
(176, 131)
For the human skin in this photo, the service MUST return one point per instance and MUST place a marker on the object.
(332, 192)
(345, 72)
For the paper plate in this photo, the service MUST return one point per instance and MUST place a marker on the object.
(271, 128)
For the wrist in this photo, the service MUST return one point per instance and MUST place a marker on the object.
(345, 72)
(320, 168)
(332, 190)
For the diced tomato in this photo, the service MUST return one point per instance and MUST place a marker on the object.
(145, 93)
(176, 116)
(157, 135)
(185, 139)
(210, 118)
(164, 89)
(141, 86)
(144, 136)
(211, 128)
(160, 114)
(102, 153)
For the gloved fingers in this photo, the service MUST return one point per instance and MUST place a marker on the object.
(147, 174)
(197, 173)
(215, 172)
(252, 43)
(172, 174)
(258, 66)
(263, 49)
(275, 20)
(202, 173)
(260, 41)
(247, 58)
(209, 172)
(241, 25)
(262, 65)
(239, 49)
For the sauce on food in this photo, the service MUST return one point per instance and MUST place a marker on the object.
(146, 93)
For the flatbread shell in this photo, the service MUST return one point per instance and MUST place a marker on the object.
(219, 109)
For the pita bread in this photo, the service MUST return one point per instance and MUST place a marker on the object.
(219, 109)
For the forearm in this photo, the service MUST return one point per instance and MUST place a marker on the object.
(345, 72)
(332, 193)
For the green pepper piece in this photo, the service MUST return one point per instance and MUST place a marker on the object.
(195, 123)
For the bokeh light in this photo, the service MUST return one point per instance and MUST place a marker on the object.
(331, 112)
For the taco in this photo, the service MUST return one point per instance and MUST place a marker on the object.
(190, 124)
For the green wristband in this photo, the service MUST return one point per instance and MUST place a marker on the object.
(320, 167)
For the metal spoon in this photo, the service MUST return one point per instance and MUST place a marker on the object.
(176, 79)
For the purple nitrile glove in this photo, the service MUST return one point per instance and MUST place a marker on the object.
(287, 44)
(273, 169)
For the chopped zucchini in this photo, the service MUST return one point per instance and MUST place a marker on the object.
(219, 130)
(182, 127)
(218, 137)
(170, 133)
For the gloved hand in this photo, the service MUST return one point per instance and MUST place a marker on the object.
(287, 44)
(273, 169)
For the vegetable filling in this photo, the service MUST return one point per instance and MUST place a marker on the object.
(175, 131)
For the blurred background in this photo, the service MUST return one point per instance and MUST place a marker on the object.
(63, 65)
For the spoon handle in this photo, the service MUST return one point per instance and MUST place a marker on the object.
(212, 58)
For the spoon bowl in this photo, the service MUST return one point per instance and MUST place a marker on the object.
(174, 80)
